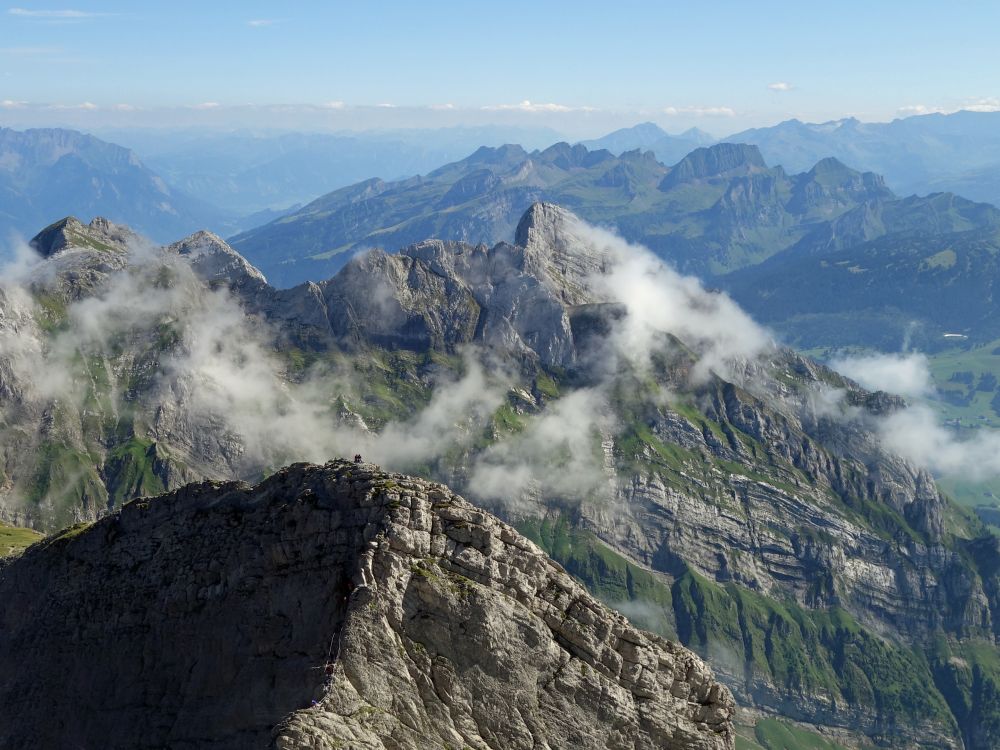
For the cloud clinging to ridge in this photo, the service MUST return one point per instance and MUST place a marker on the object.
(905, 374)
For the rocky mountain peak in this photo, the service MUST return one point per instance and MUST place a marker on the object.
(722, 159)
(649, 130)
(508, 154)
(557, 251)
(567, 157)
(831, 165)
(832, 171)
(70, 232)
(698, 135)
(541, 224)
(215, 261)
(339, 606)
(54, 238)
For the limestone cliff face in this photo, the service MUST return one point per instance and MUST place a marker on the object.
(441, 295)
(334, 606)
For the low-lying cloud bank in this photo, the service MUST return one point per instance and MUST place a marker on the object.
(218, 379)
(905, 374)
(916, 432)
(659, 301)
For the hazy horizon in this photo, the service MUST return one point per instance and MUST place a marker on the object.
(323, 67)
(280, 119)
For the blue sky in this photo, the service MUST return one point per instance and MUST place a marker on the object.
(582, 66)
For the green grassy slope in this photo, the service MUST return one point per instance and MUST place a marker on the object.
(14, 539)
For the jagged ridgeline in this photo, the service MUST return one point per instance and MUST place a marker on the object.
(827, 257)
(643, 431)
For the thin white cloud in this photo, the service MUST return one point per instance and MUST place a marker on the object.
(205, 105)
(258, 22)
(333, 105)
(700, 111)
(530, 106)
(916, 434)
(386, 105)
(989, 104)
(780, 86)
(441, 107)
(11, 104)
(56, 15)
(905, 374)
(911, 110)
(87, 106)
(984, 104)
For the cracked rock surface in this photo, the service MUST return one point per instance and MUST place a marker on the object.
(332, 606)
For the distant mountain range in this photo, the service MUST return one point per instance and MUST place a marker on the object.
(718, 209)
(649, 136)
(783, 244)
(958, 152)
(811, 253)
(186, 181)
(249, 172)
(237, 180)
(48, 173)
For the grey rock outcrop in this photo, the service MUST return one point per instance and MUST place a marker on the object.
(443, 295)
(335, 606)
(217, 263)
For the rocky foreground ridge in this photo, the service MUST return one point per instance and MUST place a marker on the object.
(329, 606)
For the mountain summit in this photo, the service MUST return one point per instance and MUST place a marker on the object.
(719, 208)
(715, 161)
(339, 606)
